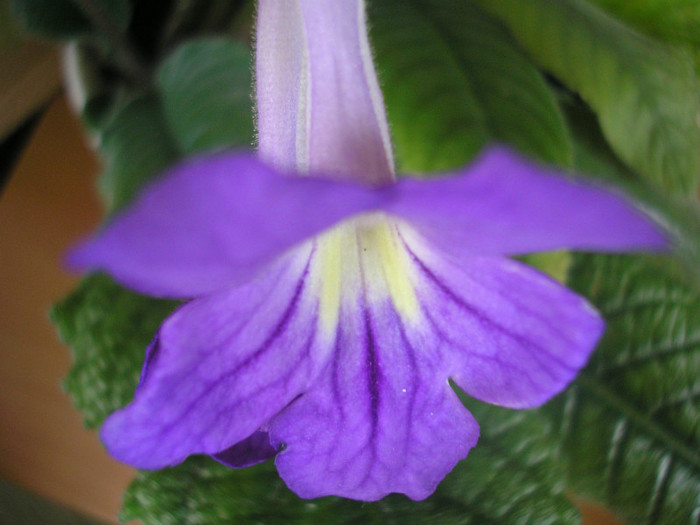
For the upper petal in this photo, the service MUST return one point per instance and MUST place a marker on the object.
(319, 103)
(223, 366)
(212, 222)
(505, 204)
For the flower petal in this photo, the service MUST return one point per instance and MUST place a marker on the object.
(513, 336)
(223, 366)
(212, 223)
(382, 417)
(253, 450)
(319, 103)
(504, 204)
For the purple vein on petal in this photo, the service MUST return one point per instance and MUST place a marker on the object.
(373, 371)
(224, 411)
(486, 321)
(152, 350)
(187, 404)
(277, 330)
(440, 333)
(335, 379)
(375, 415)
(411, 354)
(521, 349)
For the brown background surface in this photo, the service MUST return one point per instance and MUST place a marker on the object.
(47, 203)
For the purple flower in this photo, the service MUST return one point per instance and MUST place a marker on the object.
(331, 310)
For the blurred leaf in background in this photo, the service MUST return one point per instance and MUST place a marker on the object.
(9, 33)
(630, 423)
(463, 84)
(644, 93)
(65, 19)
(676, 21)
(205, 86)
(135, 146)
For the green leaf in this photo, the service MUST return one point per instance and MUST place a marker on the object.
(206, 91)
(676, 21)
(135, 146)
(20, 506)
(630, 425)
(108, 329)
(513, 474)
(678, 215)
(453, 80)
(64, 19)
(645, 94)
(510, 477)
(554, 263)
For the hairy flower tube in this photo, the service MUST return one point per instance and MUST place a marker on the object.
(331, 304)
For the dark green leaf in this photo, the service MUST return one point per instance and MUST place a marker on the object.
(206, 91)
(675, 21)
(192, 18)
(19, 506)
(453, 80)
(510, 477)
(513, 474)
(64, 19)
(203, 491)
(644, 93)
(108, 329)
(135, 146)
(631, 423)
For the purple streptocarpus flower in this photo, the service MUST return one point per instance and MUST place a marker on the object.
(330, 310)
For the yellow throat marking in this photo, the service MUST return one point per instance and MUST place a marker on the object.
(364, 256)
